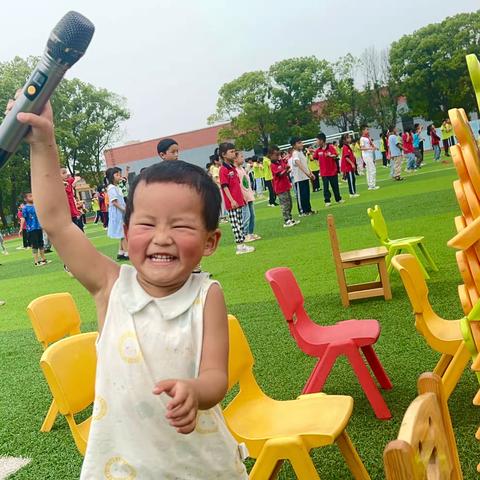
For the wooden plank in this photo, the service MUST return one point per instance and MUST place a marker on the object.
(373, 292)
(364, 254)
(363, 286)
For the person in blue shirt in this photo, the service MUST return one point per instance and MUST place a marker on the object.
(418, 144)
(34, 231)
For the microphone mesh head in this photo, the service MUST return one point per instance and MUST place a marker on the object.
(70, 38)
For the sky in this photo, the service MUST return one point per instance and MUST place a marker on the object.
(169, 58)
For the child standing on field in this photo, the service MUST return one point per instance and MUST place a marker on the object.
(301, 177)
(348, 164)
(368, 155)
(163, 332)
(116, 211)
(34, 231)
(248, 210)
(282, 184)
(232, 195)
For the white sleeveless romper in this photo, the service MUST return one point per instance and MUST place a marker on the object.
(145, 340)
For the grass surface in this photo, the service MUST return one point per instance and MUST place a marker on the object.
(422, 205)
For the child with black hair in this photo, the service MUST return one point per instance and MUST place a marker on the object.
(167, 149)
(163, 332)
(348, 164)
(301, 177)
(232, 195)
(116, 211)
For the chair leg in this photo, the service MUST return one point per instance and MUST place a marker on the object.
(392, 251)
(278, 449)
(442, 364)
(50, 417)
(427, 256)
(455, 369)
(383, 274)
(377, 367)
(353, 460)
(320, 373)
(412, 251)
(366, 381)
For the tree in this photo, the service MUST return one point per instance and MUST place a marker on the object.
(429, 65)
(379, 88)
(245, 103)
(15, 175)
(87, 120)
(297, 84)
(343, 102)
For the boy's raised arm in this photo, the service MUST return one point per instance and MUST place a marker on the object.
(90, 267)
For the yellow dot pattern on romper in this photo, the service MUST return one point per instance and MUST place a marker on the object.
(99, 408)
(119, 469)
(129, 349)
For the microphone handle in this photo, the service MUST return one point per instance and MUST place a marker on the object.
(33, 97)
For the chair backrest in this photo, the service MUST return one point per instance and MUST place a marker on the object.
(53, 317)
(425, 447)
(378, 223)
(474, 70)
(240, 358)
(332, 232)
(69, 366)
(286, 290)
(413, 280)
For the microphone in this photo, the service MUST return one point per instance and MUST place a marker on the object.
(66, 44)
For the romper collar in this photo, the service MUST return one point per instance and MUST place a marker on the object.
(135, 298)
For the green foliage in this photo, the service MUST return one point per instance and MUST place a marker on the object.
(430, 67)
(87, 120)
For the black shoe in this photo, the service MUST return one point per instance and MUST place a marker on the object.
(48, 250)
(122, 257)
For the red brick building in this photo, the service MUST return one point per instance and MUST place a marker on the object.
(195, 147)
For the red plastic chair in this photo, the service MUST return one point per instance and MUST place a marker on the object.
(329, 342)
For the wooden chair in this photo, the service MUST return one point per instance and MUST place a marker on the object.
(359, 258)
(425, 448)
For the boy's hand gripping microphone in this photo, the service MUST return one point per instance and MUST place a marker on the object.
(66, 45)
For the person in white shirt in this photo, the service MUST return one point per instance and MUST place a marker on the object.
(368, 154)
(301, 175)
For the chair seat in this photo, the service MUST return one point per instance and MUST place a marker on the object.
(319, 417)
(444, 330)
(363, 254)
(362, 332)
(404, 241)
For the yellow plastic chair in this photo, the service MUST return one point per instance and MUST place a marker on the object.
(443, 336)
(396, 246)
(53, 317)
(425, 448)
(274, 431)
(69, 367)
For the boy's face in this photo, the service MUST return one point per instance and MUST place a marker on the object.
(64, 173)
(298, 145)
(230, 154)
(167, 236)
(365, 132)
(171, 153)
(28, 198)
(275, 155)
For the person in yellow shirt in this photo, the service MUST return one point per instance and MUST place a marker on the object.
(314, 167)
(448, 138)
(259, 177)
(268, 176)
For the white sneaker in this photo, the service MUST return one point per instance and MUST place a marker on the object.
(241, 249)
(341, 201)
(5, 252)
(2, 302)
(376, 187)
(249, 238)
(328, 204)
(296, 222)
(289, 223)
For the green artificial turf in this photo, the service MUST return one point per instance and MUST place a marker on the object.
(424, 204)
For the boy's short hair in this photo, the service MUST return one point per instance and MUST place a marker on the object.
(322, 136)
(295, 140)
(181, 173)
(273, 148)
(164, 144)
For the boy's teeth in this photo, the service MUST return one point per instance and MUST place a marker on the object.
(162, 257)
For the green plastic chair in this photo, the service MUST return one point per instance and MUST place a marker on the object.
(396, 246)
(474, 70)
(466, 324)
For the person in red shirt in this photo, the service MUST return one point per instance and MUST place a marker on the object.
(326, 155)
(69, 183)
(25, 239)
(233, 195)
(348, 164)
(435, 140)
(408, 150)
(282, 184)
